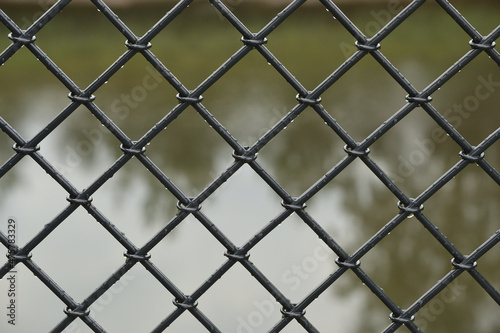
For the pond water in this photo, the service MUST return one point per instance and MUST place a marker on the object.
(251, 98)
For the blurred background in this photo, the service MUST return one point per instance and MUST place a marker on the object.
(79, 255)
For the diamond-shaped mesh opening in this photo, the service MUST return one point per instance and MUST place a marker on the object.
(211, 37)
(136, 97)
(80, 148)
(329, 211)
(406, 263)
(289, 153)
(32, 96)
(99, 257)
(248, 214)
(415, 152)
(250, 98)
(188, 152)
(307, 44)
(346, 99)
(345, 207)
(189, 269)
(136, 202)
(106, 45)
(299, 259)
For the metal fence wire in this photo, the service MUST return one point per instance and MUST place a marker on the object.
(251, 42)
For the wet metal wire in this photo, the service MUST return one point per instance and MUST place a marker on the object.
(252, 42)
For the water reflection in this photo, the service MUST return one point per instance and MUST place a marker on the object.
(248, 101)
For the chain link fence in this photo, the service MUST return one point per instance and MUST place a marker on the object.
(139, 46)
